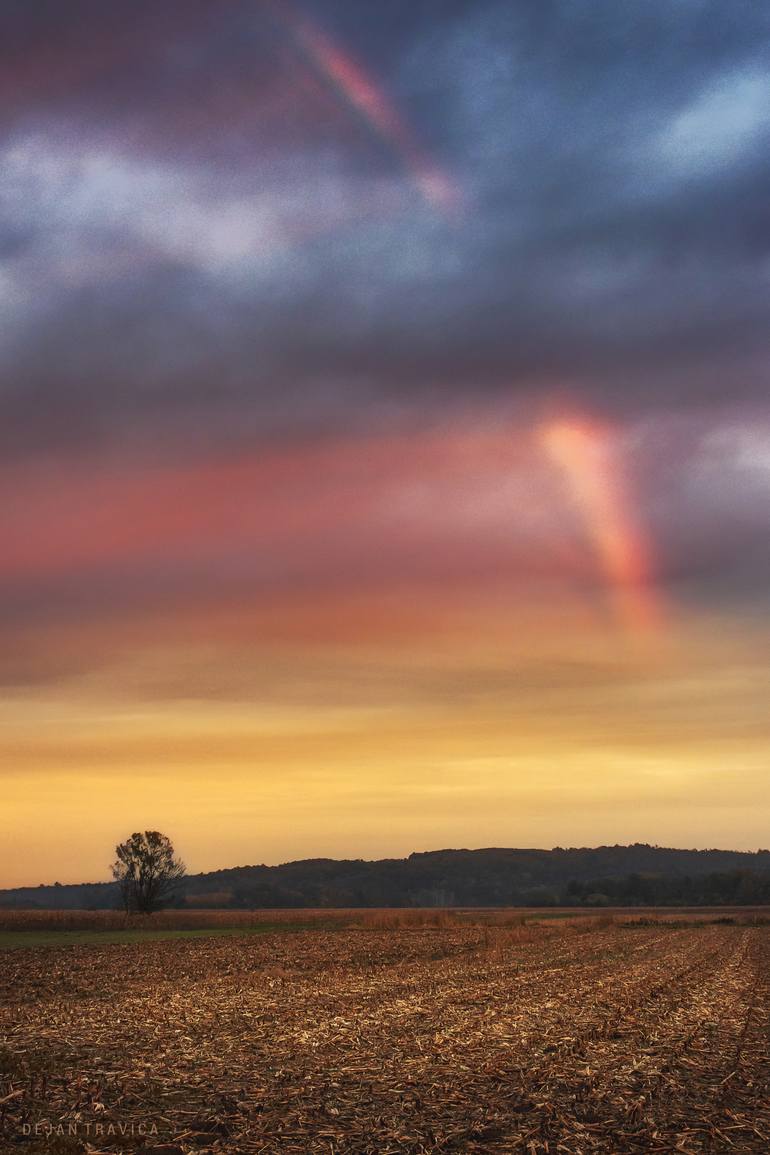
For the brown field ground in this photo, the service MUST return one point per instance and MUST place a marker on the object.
(569, 1036)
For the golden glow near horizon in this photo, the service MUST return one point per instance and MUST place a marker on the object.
(460, 755)
(447, 677)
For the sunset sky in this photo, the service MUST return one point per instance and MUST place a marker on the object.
(384, 427)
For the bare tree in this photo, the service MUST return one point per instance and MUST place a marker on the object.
(146, 871)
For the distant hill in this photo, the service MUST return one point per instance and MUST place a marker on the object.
(636, 875)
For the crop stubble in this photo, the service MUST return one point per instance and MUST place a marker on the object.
(462, 1039)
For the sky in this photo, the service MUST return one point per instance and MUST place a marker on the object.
(384, 427)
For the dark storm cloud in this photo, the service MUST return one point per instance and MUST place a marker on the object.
(201, 238)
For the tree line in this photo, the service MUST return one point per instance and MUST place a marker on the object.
(636, 875)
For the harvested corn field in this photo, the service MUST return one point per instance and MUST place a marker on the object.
(540, 1039)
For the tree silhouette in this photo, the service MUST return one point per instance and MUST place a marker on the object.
(146, 871)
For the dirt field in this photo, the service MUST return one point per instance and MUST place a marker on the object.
(551, 1038)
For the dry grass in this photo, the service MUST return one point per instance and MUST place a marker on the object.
(207, 919)
(113, 920)
(386, 918)
(562, 1037)
(402, 919)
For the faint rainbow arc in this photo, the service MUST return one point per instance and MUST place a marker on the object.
(586, 456)
(365, 96)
